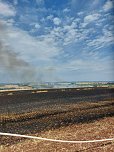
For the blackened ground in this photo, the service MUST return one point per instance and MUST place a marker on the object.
(33, 111)
(26, 101)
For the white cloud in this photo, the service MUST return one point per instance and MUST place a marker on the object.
(108, 5)
(102, 40)
(91, 18)
(70, 36)
(6, 9)
(34, 27)
(40, 2)
(66, 10)
(50, 17)
(73, 32)
(67, 33)
(45, 51)
(80, 13)
(95, 2)
(28, 47)
(56, 21)
(91, 64)
(37, 26)
(15, 2)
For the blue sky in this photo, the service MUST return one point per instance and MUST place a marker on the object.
(56, 40)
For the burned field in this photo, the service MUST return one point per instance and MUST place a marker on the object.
(36, 111)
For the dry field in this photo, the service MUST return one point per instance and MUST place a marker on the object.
(99, 129)
(79, 115)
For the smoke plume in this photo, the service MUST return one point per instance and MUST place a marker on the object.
(10, 61)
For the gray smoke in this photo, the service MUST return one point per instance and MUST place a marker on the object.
(10, 61)
(16, 68)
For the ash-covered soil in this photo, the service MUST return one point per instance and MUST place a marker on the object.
(33, 111)
(27, 101)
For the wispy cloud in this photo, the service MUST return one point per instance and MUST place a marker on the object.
(6, 9)
(73, 38)
(108, 5)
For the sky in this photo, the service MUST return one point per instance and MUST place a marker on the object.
(56, 40)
